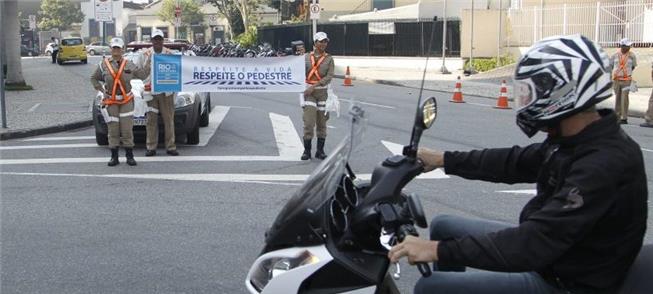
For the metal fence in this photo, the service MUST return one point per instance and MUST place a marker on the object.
(605, 23)
(396, 38)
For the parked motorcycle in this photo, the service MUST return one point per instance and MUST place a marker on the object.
(334, 234)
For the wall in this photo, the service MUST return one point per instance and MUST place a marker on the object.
(485, 32)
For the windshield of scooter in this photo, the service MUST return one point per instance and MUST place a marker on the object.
(318, 188)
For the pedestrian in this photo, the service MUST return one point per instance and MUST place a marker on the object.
(55, 49)
(623, 63)
(162, 103)
(585, 225)
(112, 77)
(649, 112)
(319, 72)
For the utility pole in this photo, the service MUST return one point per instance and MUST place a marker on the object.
(471, 47)
(2, 73)
(443, 69)
(314, 21)
(499, 34)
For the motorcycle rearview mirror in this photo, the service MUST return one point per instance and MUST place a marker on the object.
(425, 116)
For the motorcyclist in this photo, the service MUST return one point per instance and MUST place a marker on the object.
(585, 226)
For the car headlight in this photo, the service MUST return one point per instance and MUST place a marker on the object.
(184, 99)
(273, 267)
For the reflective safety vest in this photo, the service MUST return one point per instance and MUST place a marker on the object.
(623, 60)
(313, 76)
(117, 83)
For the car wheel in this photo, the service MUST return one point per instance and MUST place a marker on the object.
(101, 139)
(92, 52)
(60, 62)
(84, 61)
(204, 119)
(193, 137)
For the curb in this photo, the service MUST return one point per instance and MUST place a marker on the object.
(46, 130)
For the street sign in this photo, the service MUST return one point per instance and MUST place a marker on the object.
(32, 22)
(177, 11)
(315, 11)
(103, 10)
(177, 21)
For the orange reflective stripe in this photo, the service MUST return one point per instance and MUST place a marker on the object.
(315, 69)
(622, 66)
(117, 82)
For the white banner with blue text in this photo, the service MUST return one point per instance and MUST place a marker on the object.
(178, 73)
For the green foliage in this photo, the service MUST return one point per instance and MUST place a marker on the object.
(191, 12)
(249, 38)
(60, 14)
(486, 64)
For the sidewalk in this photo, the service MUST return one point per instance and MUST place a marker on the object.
(61, 99)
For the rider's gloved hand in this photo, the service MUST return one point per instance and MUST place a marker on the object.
(431, 159)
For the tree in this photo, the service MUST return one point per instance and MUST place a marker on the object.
(239, 13)
(11, 29)
(60, 14)
(191, 12)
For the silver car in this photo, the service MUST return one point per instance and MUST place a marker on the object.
(98, 48)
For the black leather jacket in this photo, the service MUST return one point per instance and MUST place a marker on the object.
(586, 224)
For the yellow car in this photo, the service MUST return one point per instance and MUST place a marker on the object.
(72, 49)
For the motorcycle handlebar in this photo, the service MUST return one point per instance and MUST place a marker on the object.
(406, 230)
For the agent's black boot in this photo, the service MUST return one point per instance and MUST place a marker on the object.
(319, 154)
(114, 157)
(129, 153)
(307, 150)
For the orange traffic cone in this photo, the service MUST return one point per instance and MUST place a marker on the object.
(502, 102)
(457, 94)
(347, 78)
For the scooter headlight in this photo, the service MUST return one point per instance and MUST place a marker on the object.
(273, 267)
(184, 99)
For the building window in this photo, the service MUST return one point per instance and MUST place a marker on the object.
(146, 34)
(515, 4)
(382, 4)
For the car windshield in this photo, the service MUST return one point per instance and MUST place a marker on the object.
(71, 42)
(323, 182)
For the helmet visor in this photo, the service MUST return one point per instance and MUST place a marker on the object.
(524, 93)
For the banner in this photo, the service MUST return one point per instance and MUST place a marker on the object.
(179, 73)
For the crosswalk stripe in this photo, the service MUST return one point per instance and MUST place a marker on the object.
(149, 159)
(60, 138)
(48, 146)
(288, 142)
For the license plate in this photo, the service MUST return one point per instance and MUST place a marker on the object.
(140, 121)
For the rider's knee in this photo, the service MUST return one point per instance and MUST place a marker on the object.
(441, 226)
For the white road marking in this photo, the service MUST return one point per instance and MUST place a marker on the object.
(34, 107)
(288, 142)
(276, 179)
(150, 159)
(330, 127)
(61, 138)
(217, 115)
(647, 150)
(397, 149)
(527, 191)
(370, 104)
(241, 107)
(48, 146)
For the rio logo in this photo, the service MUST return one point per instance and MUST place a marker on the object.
(167, 67)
